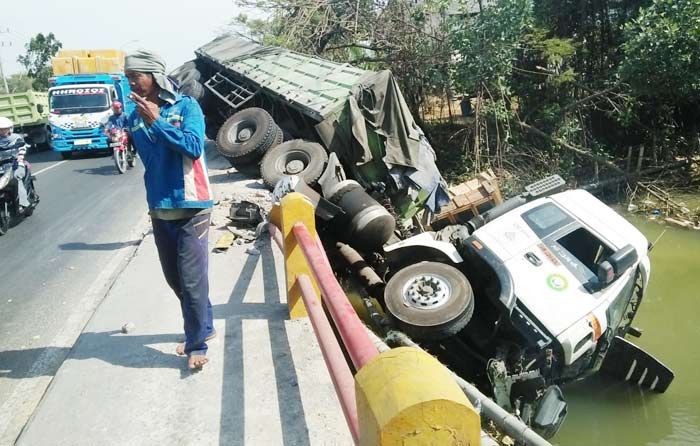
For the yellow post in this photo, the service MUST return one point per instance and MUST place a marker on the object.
(296, 208)
(405, 397)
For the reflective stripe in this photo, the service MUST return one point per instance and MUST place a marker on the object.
(629, 373)
(641, 378)
(654, 383)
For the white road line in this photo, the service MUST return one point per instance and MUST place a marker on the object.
(50, 167)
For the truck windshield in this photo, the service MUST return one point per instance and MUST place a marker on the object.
(79, 100)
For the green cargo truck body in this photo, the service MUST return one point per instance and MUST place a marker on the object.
(29, 112)
(359, 115)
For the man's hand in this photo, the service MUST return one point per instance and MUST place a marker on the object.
(148, 110)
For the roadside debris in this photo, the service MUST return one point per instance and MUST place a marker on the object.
(247, 235)
(659, 204)
(245, 212)
(224, 242)
(128, 327)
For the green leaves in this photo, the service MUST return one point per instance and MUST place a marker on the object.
(488, 43)
(40, 49)
(662, 51)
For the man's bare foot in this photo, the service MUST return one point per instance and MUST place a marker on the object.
(180, 349)
(196, 362)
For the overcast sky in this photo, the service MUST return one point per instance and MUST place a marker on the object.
(173, 28)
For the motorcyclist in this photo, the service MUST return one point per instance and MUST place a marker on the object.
(118, 118)
(118, 121)
(12, 142)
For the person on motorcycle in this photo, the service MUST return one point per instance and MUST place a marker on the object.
(118, 118)
(12, 141)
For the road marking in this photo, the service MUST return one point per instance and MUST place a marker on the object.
(50, 167)
(29, 391)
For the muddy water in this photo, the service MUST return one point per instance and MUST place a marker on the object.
(607, 413)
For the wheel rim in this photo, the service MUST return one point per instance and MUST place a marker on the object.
(242, 131)
(426, 291)
(293, 162)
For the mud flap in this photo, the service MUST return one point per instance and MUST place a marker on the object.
(627, 362)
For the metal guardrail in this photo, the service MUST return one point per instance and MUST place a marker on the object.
(396, 394)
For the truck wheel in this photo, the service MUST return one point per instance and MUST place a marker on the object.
(429, 300)
(246, 135)
(186, 72)
(196, 90)
(296, 157)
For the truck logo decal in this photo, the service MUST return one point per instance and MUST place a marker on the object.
(78, 91)
(557, 282)
(548, 254)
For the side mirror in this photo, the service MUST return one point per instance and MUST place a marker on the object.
(613, 267)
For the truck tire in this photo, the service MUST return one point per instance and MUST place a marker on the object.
(247, 135)
(296, 157)
(196, 90)
(186, 72)
(39, 138)
(429, 300)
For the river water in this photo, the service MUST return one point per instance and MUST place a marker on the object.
(602, 412)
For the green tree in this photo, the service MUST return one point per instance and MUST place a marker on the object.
(19, 83)
(40, 49)
(661, 54)
(662, 65)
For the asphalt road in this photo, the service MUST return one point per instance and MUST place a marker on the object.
(55, 268)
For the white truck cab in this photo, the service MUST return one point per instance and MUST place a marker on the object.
(542, 289)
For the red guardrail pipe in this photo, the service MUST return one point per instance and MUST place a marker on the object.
(335, 360)
(352, 331)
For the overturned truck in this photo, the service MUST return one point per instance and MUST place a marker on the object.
(288, 111)
(537, 291)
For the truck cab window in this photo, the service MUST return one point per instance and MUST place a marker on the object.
(586, 247)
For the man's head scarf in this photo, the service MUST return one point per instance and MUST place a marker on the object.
(148, 62)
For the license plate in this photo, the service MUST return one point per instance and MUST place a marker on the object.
(115, 144)
(82, 142)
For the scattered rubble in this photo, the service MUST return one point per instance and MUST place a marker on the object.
(224, 242)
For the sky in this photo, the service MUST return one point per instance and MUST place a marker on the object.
(173, 28)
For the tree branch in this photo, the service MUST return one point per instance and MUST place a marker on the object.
(573, 148)
(587, 99)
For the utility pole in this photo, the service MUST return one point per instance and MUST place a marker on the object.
(4, 43)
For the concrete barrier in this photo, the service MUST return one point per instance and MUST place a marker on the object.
(403, 396)
(407, 397)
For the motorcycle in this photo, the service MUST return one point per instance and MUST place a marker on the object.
(123, 152)
(9, 197)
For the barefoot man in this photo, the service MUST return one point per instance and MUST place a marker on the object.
(168, 131)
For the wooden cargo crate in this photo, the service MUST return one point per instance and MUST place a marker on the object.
(468, 199)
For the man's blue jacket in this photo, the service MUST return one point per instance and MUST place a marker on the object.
(172, 151)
